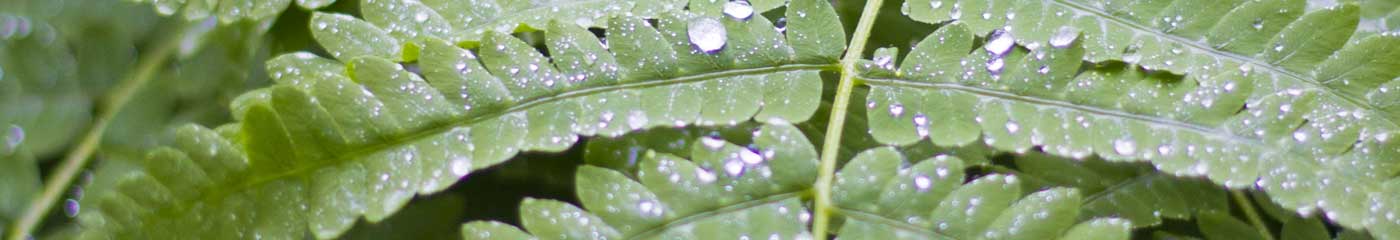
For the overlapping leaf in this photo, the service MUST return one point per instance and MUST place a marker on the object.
(725, 191)
(1284, 116)
(1131, 191)
(361, 134)
(884, 195)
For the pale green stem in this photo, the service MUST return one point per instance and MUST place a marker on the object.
(1248, 209)
(73, 163)
(831, 144)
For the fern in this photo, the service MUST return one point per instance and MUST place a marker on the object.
(1304, 105)
(727, 191)
(376, 134)
(1023, 119)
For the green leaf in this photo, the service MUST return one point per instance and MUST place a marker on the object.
(1132, 192)
(1296, 121)
(880, 198)
(229, 11)
(724, 191)
(1221, 226)
(363, 136)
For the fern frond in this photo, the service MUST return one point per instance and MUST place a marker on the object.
(930, 199)
(1131, 191)
(724, 192)
(1299, 137)
(728, 191)
(362, 134)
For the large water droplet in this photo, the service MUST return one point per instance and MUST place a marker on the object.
(1124, 146)
(14, 137)
(750, 157)
(738, 9)
(921, 124)
(734, 167)
(71, 207)
(1301, 136)
(1012, 127)
(896, 110)
(712, 143)
(995, 65)
(707, 35)
(705, 176)
(922, 183)
(1001, 43)
(1064, 37)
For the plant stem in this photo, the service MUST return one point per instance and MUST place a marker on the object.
(112, 104)
(831, 144)
(1248, 209)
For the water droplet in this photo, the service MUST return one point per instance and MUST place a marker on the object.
(1258, 23)
(750, 157)
(420, 17)
(1001, 42)
(1064, 37)
(922, 183)
(1125, 146)
(921, 124)
(1044, 69)
(707, 35)
(896, 110)
(734, 167)
(738, 9)
(14, 137)
(1278, 47)
(995, 65)
(935, 4)
(1301, 136)
(71, 207)
(705, 176)
(712, 143)
(1012, 126)
(1164, 149)
(780, 25)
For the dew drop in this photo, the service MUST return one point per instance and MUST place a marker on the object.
(705, 176)
(922, 183)
(14, 137)
(734, 167)
(1124, 147)
(921, 124)
(1012, 126)
(71, 207)
(995, 65)
(707, 35)
(1001, 43)
(780, 25)
(935, 4)
(896, 110)
(1258, 24)
(420, 17)
(1301, 136)
(738, 9)
(750, 157)
(1164, 149)
(1044, 69)
(1064, 37)
(712, 143)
